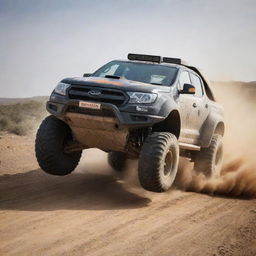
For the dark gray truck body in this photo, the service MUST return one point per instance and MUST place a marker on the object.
(121, 126)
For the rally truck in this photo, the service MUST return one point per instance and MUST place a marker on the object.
(151, 108)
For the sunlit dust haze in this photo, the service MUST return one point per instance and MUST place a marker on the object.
(238, 176)
(42, 42)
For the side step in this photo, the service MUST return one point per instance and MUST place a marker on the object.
(189, 146)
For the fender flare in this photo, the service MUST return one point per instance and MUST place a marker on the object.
(172, 123)
(214, 124)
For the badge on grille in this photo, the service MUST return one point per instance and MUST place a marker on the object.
(94, 92)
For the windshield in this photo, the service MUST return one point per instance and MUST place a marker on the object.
(141, 72)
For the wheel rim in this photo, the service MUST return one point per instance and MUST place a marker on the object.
(168, 163)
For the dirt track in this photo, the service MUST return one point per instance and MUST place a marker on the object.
(92, 212)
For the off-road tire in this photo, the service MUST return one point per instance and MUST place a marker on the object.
(49, 147)
(158, 162)
(117, 160)
(209, 160)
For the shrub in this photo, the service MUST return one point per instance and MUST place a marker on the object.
(21, 118)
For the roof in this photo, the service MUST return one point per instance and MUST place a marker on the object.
(172, 61)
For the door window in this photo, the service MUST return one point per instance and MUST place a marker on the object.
(184, 79)
(196, 81)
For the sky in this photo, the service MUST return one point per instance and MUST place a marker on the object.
(44, 41)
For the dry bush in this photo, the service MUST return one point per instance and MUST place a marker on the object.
(21, 118)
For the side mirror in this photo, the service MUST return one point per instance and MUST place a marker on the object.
(188, 89)
(87, 75)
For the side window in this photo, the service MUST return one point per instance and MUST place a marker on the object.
(184, 79)
(196, 81)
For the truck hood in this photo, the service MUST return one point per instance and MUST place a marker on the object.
(121, 84)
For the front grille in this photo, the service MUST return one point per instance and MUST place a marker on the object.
(94, 112)
(106, 95)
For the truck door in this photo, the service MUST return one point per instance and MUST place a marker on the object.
(201, 102)
(188, 112)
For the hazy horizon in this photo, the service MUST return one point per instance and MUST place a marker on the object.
(42, 42)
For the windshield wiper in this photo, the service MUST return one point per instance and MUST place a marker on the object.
(156, 84)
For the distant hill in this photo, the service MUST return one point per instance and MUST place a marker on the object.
(247, 88)
(23, 115)
(248, 85)
(11, 101)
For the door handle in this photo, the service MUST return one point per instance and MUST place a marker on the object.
(194, 105)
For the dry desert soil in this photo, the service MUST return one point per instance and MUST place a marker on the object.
(95, 212)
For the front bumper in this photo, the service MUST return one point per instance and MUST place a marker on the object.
(126, 115)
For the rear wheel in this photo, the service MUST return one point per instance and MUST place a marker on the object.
(117, 160)
(51, 139)
(209, 160)
(158, 162)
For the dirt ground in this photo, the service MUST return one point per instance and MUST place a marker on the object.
(95, 212)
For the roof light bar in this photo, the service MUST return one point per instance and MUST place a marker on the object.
(143, 57)
(174, 61)
(155, 58)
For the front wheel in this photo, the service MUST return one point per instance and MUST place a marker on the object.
(158, 162)
(209, 160)
(51, 138)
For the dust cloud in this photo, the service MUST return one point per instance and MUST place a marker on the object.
(238, 175)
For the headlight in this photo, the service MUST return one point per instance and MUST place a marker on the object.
(140, 97)
(61, 88)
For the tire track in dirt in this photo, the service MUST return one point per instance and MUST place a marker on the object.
(94, 214)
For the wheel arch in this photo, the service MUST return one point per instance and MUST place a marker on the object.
(220, 128)
(213, 125)
(171, 124)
